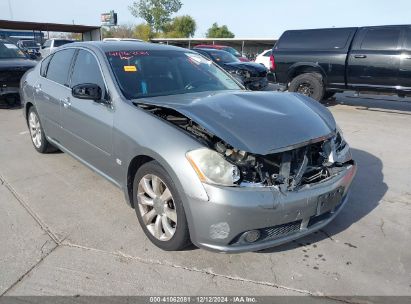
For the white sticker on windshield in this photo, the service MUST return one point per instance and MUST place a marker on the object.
(10, 46)
(198, 58)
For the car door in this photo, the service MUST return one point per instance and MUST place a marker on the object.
(86, 124)
(375, 58)
(51, 88)
(404, 75)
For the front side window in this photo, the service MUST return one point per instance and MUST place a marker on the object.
(158, 73)
(9, 50)
(381, 39)
(59, 66)
(87, 70)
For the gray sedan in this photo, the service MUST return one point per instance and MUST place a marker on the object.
(199, 158)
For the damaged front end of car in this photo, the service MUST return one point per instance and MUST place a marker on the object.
(287, 169)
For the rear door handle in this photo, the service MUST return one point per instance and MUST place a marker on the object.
(360, 56)
(66, 102)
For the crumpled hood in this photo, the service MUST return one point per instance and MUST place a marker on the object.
(255, 69)
(256, 122)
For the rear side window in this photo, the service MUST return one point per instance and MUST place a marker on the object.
(59, 66)
(87, 70)
(323, 39)
(44, 66)
(381, 39)
(47, 44)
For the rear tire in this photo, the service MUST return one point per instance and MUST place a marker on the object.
(37, 135)
(159, 208)
(308, 84)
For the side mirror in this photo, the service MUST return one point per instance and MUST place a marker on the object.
(87, 91)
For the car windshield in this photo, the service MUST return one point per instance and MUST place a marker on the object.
(232, 51)
(9, 50)
(29, 43)
(58, 43)
(223, 57)
(159, 73)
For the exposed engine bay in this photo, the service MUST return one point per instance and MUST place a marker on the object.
(288, 170)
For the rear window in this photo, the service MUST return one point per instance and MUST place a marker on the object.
(10, 50)
(58, 43)
(232, 51)
(323, 39)
(223, 57)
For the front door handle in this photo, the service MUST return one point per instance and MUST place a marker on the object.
(37, 88)
(66, 102)
(360, 56)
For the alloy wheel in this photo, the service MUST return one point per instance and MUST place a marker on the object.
(35, 130)
(156, 207)
(305, 89)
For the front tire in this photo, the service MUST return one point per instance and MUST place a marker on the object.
(308, 84)
(159, 208)
(38, 137)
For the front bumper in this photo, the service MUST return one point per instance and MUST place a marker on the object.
(219, 223)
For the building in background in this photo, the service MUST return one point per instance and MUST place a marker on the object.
(16, 35)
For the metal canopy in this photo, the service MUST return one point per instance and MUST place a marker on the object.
(51, 27)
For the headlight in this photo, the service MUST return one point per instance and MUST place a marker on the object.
(211, 167)
(342, 149)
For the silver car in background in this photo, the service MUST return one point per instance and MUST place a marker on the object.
(199, 158)
(50, 45)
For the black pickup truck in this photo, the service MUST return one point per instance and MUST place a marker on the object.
(321, 62)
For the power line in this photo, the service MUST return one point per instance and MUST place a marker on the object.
(10, 10)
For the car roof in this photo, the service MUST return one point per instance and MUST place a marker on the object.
(112, 46)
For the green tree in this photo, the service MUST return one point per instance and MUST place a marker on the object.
(143, 31)
(216, 31)
(155, 12)
(121, 31)
(180, 27)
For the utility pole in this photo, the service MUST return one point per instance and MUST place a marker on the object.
(10, 10)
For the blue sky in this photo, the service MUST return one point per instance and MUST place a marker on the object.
(258, 18)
